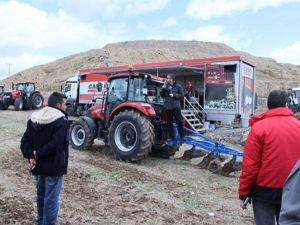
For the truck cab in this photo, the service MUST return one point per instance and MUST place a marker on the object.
(70, 87)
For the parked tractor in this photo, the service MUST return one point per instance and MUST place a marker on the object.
(129, 119)
(24, 96)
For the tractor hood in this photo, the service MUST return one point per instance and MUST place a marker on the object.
(14, 93)
(45, 116)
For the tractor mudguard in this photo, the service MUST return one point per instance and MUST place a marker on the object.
(92, 125)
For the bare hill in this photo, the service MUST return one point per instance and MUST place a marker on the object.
(270, 75)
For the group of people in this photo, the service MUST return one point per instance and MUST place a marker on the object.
(270, 175)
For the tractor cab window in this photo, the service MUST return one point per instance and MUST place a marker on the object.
(68, 87)
(117, 90)
(136, 87)
(29, 88)
(153, 94)
(1, 89)
(20, 87)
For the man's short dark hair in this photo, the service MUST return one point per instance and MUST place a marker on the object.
(56, 98)
(171, 75)
(277, 98)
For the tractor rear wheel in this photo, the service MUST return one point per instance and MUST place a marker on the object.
(131, 136)
(81, 135)
(37, 101)
(19, 104)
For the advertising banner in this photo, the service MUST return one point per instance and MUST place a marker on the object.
(220, 87)
(247, 83)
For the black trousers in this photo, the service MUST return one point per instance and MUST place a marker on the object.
(171, 115)
(266, 213)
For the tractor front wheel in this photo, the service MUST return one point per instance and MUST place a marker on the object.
(131, 136)
(81, 135)
(3, 106)
(19, 104)
(37, 101)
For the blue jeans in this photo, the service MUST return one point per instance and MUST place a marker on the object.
(48, 190)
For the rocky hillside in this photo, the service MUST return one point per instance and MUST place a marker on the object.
(270, 75)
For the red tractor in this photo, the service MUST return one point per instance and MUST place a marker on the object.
(129, 119)
(24, 96)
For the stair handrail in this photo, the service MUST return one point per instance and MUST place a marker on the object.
(187, 105)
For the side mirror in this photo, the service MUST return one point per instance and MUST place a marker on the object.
(61, 88)
(12, 85)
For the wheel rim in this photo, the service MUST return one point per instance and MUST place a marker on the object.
(38, 101)
(125, 136)
(78, 135)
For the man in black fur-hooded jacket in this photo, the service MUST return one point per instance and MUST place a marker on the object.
(45, 145)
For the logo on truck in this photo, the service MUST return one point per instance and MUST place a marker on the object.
(95, 86)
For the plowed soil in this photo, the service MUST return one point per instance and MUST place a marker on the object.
(100, 190)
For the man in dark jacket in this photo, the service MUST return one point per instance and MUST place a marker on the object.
(270, 153)
(290, 206)
(172, 94)
(45, 145)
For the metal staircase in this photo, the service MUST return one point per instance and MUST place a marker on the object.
(194, 114)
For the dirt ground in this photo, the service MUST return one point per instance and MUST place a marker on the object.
(100, 190)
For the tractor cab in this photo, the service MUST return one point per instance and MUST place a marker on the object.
(133, 88)
(26, 87)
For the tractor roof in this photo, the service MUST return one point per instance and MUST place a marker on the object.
(27, 82)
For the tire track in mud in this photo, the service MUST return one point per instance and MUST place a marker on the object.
(118, 203)
(128, 171)
(132, 174)
(127, 201)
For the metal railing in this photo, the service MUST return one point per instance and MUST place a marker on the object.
(194, 107)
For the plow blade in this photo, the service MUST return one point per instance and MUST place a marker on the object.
(202, 161)
(208, 154)
(185, 152)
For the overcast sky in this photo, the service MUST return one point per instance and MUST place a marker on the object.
(34, 32)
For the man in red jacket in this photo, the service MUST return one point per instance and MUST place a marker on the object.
(270, 153)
